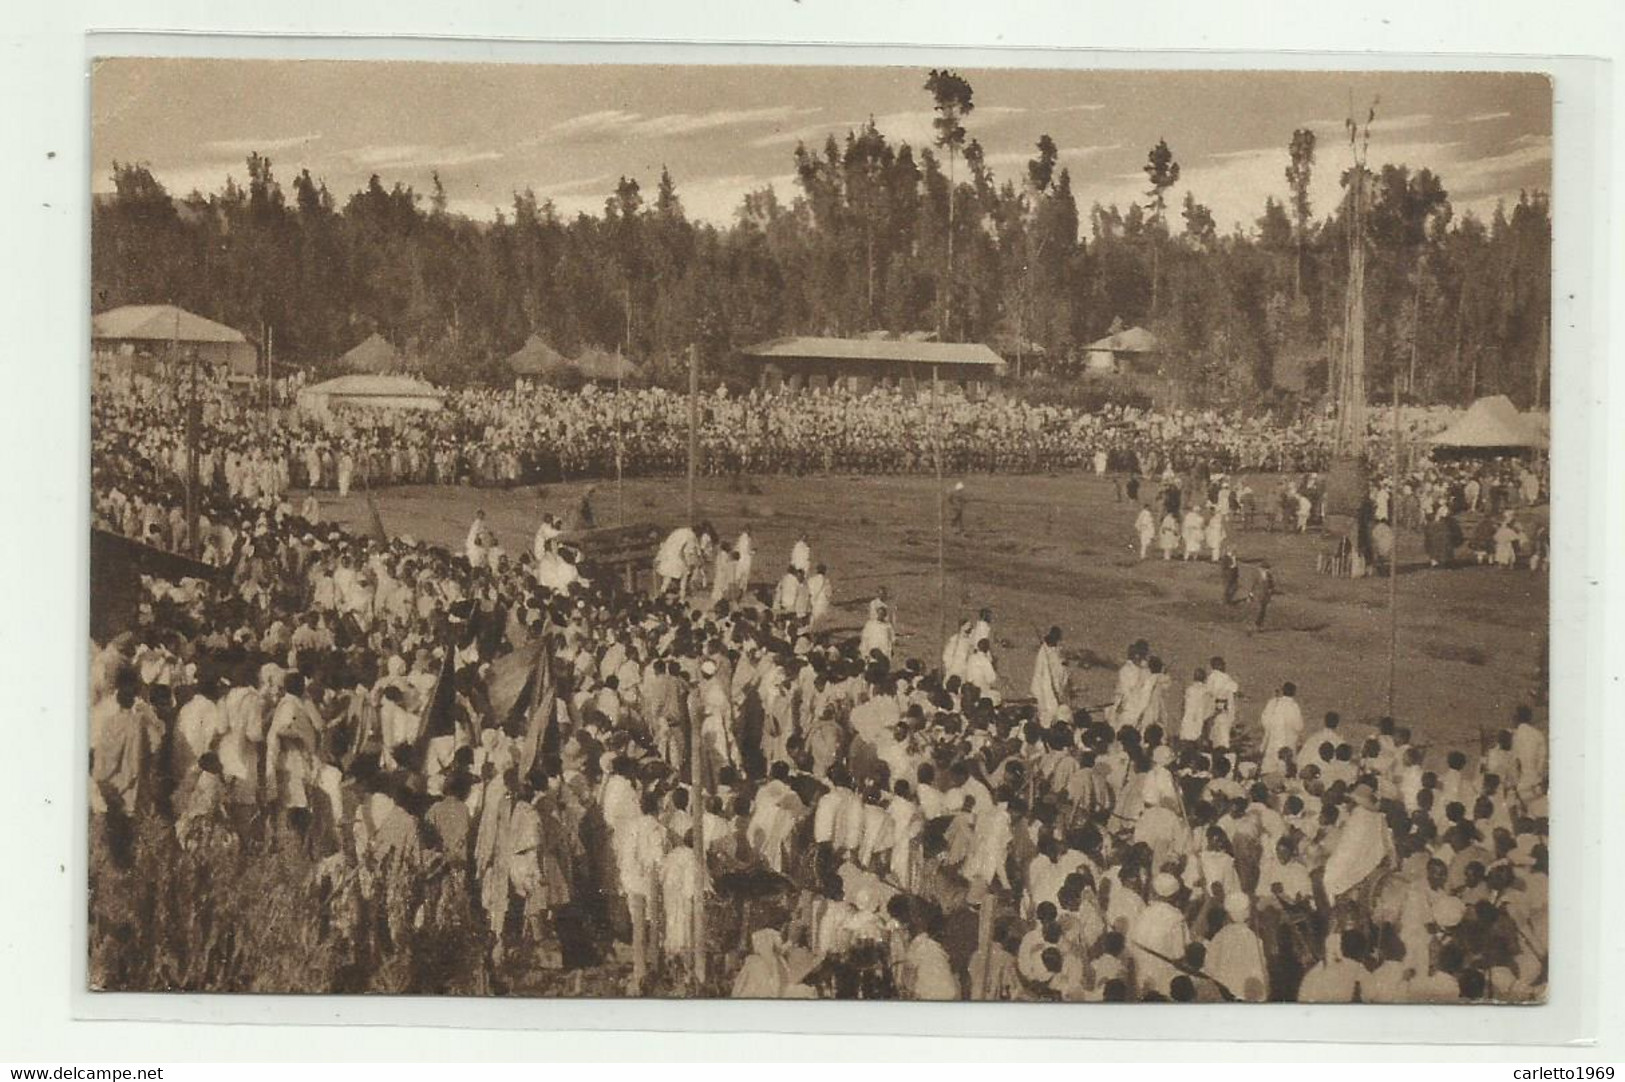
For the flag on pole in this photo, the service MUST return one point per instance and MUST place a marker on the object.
(439, 717)
(377, 522)
(509, 685)
(539, 746)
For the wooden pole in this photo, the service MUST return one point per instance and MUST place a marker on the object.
(620, 498)
(1542, 359)
(1393, 555)
(984, 940)
(693, 425)
(942, 496)
(697, 794)
(270, 368)
(192, 419)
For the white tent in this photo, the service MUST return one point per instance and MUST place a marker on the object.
(1491, 422)
(375, 392)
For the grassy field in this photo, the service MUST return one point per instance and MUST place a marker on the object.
(1060, 549)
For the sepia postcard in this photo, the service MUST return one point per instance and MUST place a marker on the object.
(878, 533)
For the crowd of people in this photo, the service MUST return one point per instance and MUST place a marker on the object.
(531, 434)
(514, 743)
(1195, 516)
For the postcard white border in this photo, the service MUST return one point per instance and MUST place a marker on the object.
(49, 495)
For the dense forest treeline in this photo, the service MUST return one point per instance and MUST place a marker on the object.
(877, 236)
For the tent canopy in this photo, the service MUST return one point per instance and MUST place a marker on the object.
(374, 355)
(373, 391)
(536, 358)
(1491, 422)
(160, 323)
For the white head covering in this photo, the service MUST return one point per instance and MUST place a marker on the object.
(1448, 911)
(1164, 885)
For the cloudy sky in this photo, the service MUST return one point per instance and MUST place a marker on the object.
(570, 132)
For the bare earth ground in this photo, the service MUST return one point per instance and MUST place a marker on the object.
(1060, 549)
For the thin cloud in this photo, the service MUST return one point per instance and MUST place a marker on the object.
(1398, 122)
(912, 127)
(1480, 118)
(1488, 174)
(619, 123)
(603, 120)
(687, 123)
(250, 146)
(409, 155)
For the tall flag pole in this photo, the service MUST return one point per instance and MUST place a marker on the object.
(942, 496)
(620, 498)
(695, 745)
(697, 809)
(1393, 555)
(693, 425)
(193, 423)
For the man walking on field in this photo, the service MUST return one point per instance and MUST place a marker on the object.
(1263, 593)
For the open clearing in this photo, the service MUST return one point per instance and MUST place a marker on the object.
(1060, 549)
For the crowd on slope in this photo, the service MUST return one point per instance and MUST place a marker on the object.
(869, 825)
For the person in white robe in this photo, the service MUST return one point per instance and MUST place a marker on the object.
(1145, 525)
(877, 635)
(1130, 675)
(1159, 937)
(791, 598)
(1194, 531)
(346, 472)
(1198, 705)
(1362, 845)
(1235, 954)
(1050, 679)
(928, 974)
(820, 596)
(474, 545)
(1223, 692)
(1215, 534)
(763, 974)
(745, 556)
(1168, 536)
(957, 650)
(980, 671)
(640, 846)
(1282, 722)
(801, 555)
(722, 576)
(672, 559)
(679, 875)
(1529, 752)
(545, 533)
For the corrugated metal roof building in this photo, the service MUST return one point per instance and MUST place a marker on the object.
(859, 364)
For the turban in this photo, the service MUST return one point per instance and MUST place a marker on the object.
(1164, 885)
